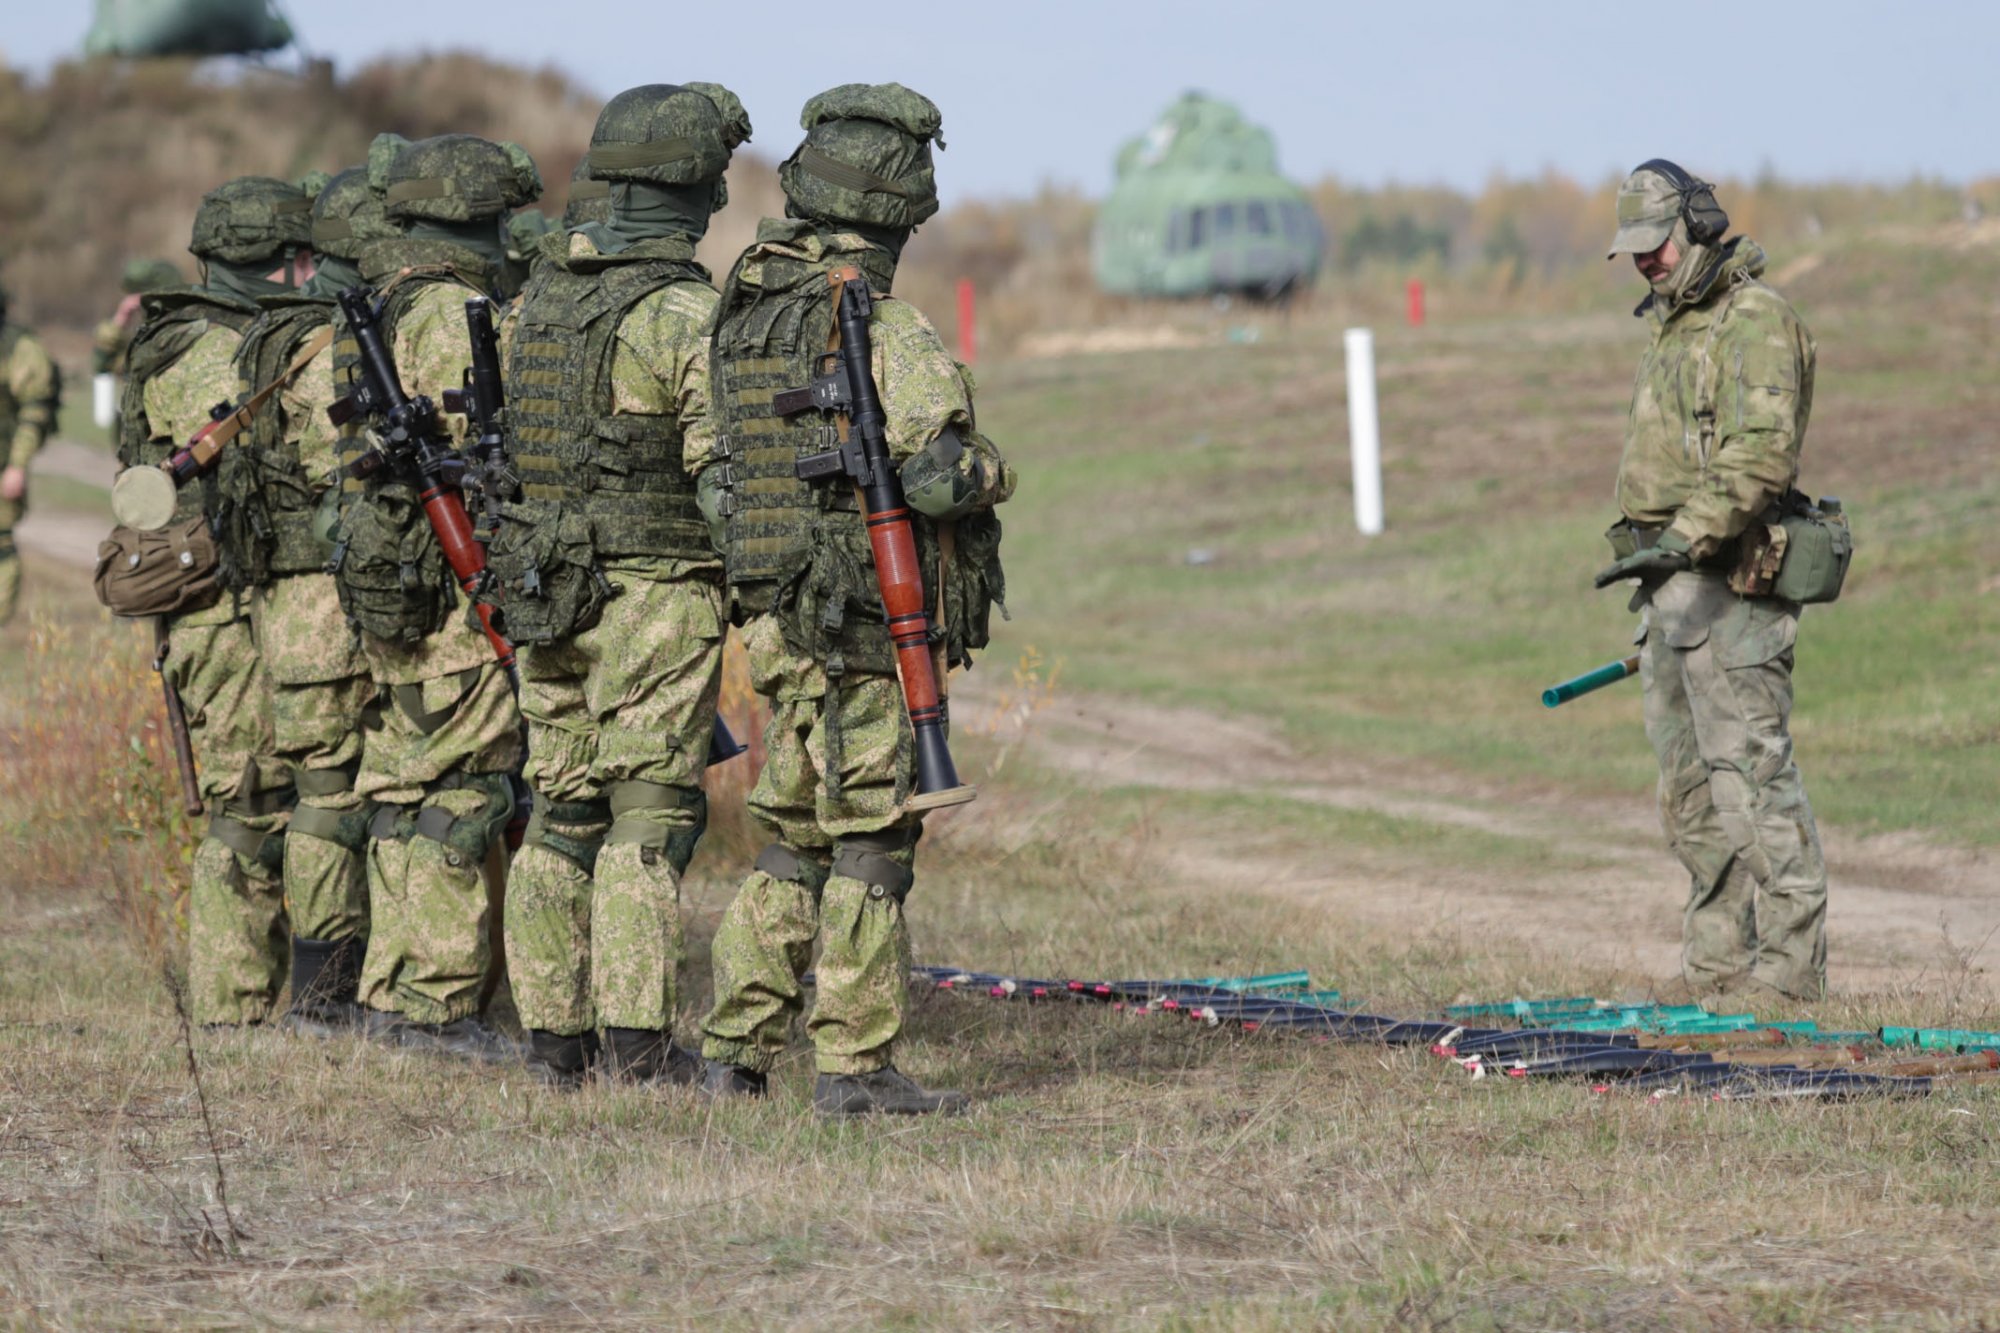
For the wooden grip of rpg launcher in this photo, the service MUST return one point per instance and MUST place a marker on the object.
(894, 545)
(445, 508)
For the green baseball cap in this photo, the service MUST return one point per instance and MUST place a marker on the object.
(1648, 206)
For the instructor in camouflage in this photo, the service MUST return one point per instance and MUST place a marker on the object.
(438, 767)
(271, 488)
(609, 585)
(1712, 446)
(801, 586)
(253, 238)
(30, 395)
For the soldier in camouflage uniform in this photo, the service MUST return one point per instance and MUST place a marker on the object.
(801, 585)
(113, 336)
(252, 237)
(609, 584)
(1712, 447)
(438, 767)
(30, 394)
(268, 490)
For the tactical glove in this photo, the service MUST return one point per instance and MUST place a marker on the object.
(1667, 556)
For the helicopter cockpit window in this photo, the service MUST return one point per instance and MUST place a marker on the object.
(1225, 221)
(1257, 219)
(1197, 228)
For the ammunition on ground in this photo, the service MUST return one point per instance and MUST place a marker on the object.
(1577, 686)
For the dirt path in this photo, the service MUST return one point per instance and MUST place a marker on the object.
(63, 535)
(1613, 892)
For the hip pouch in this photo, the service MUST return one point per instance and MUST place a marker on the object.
(158, 573)
(1799, 554)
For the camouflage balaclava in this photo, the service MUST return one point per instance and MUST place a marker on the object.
(456, 188)
(865, 164)
(1650, 212)
(589, 200)
(663, 149)
(346, 216)
(246, 228)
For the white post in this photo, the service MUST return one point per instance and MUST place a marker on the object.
(1364, 431)
(104, 400)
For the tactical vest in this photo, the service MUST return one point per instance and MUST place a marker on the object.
(259, 497)
(388, 568)
(174, 323)
(595, 484)
(800, 549)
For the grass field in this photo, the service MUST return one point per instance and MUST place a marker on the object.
(1303, 750)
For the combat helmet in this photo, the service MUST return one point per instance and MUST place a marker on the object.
(250, 219)
(866, 157)
(662, 134)
(347, 215)
(454, 178)
(150, 275)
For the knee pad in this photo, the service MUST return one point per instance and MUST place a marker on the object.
(266, 849)
(347, 829)
(871, 858)
(578, 851)
(464, 837)
(634, 797)
(781, 862)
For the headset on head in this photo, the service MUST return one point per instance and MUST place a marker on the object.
(1706, 222)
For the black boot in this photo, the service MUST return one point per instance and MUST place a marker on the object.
(640, 1055)
(560, 1061)
(463, 1038)
(326, 975)
(721, 1081)
(885, 1091)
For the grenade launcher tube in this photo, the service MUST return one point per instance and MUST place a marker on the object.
(893, 543)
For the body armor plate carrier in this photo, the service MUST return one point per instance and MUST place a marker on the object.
(175, 322)
(259, 497)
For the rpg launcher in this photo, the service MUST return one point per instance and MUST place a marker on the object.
(863, 457)
(409, 442)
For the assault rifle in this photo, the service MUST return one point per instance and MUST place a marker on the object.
(410, 442)
(143, 498)
(863, 457)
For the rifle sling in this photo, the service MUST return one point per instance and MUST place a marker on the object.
(236, 422)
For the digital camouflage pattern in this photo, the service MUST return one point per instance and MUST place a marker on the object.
(661, 133)
(765, 941)
(28, 402)
(866, 157)
(1719, 407)
(429, 902)
(1718, 419)
(251, 218)
(630, 699)
(455, 178)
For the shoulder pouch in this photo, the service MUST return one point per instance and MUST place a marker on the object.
(158, 573)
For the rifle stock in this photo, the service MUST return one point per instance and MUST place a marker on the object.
(177, 727)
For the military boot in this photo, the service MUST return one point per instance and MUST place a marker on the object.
(326, 975)
(886, 1091)
(720, 1081)
(462, 1038)
(560, 1061)
(640, 1055)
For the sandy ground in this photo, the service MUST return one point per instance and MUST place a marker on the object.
(1895, 902)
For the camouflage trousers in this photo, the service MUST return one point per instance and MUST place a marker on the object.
(839, 764)
(1717, 674)
(237, 936)
(320, 690)
(619, 720)
(10, 558)
(437, 772)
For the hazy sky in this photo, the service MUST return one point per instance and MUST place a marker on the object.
(1453, 91)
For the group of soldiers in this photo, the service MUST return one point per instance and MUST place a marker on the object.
(360, 745)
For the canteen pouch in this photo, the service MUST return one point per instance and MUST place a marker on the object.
(1819, 545)
(158, 573)
(1624, 541)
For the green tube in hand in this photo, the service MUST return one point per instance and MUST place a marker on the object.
(1608, 674)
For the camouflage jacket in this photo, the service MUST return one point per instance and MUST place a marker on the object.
(28, 392)
(1719, 406)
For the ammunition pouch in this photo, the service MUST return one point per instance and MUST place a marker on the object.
(871, 858)
(656, 840)
(578, 851)
(158, 573)
(544, 568)
(388, 567)
(782, 863)
(1797, 551)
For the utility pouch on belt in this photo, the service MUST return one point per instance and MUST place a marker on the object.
(1801, 557)
(158, 573)
(1623, 538)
